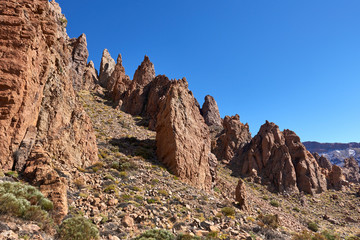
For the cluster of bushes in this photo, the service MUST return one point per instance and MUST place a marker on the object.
(160, 234)
(77, 228)
(24, 201)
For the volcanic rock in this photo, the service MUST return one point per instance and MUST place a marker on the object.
(351, 170)
(38, 171)
(80, 55)
(210, 112)
(182, 137)
(282, 161)
(119, 82)
(335, 178)
(107, 67)
(38, 102)
(90, 79)
(234, 137)
(240, 195)
(136, 97)
(323, 161)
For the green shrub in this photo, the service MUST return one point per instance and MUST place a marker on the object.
(274, 203)
(156, 234)
(77, 228)
(187, 237)
(25, 201)
(228, 211)
(313, 226)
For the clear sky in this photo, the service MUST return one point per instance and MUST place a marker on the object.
(295, 63)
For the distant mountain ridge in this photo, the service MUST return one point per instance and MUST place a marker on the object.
(335, 152)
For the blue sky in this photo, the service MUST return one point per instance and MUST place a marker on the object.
(295, 63)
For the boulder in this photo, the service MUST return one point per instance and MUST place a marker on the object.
(241, 195)
(182, 137)
(282, 161)
(210, 112)
(107, 67)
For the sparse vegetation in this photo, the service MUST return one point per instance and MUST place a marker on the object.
(77, 228)
(228, 211)
(313, 226)
(158, 234)
(274, 203)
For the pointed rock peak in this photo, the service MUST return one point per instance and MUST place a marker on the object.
(82, 36)
(107, 66)
(146, 59)
(210, 112)
(145, 73)
(119, 60)
(91, 64)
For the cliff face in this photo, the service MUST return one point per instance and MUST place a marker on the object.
(37, 101)
(182, 137)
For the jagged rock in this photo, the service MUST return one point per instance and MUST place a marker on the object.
(157, 89)
(107, 67)
(39, 171)
(119, 82)
(282, 161)
(38, 102)
(80, 55)
(234, 137)
(323, 161)
(240, 195)
(351, 170)
(210, 112)
(135, 98)
(182, 137)
(90, 79)
(335, 178)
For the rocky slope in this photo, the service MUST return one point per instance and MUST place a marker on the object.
(129, 178)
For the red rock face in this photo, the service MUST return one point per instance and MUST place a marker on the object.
(135, 99)
(233, 138)
(182, 137)
(37, 101)
(351, 170)
(90, 78)
(80, 54)
(282, 161)
(119, 82)
(210, 112)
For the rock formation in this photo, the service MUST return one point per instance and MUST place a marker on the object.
(210, 112)
(80, 55)
(182, 137)
(107, 67)
(282, 161)
(38, 102)
(323, 161)
(90, 78)
(241, 195)
(135, 98)
(351, 170)
(118, 82)
(233, 138)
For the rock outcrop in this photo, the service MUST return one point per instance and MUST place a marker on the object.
(90, 78)
(182, 137)
(210, 112)
(351, 170)
(334, 174)
(79, 56)
(234, 136)
(107, 67)
(323, 161)
(135, 98)
(38, 102)
(119, 82)
(282, 161)
(241, 195)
